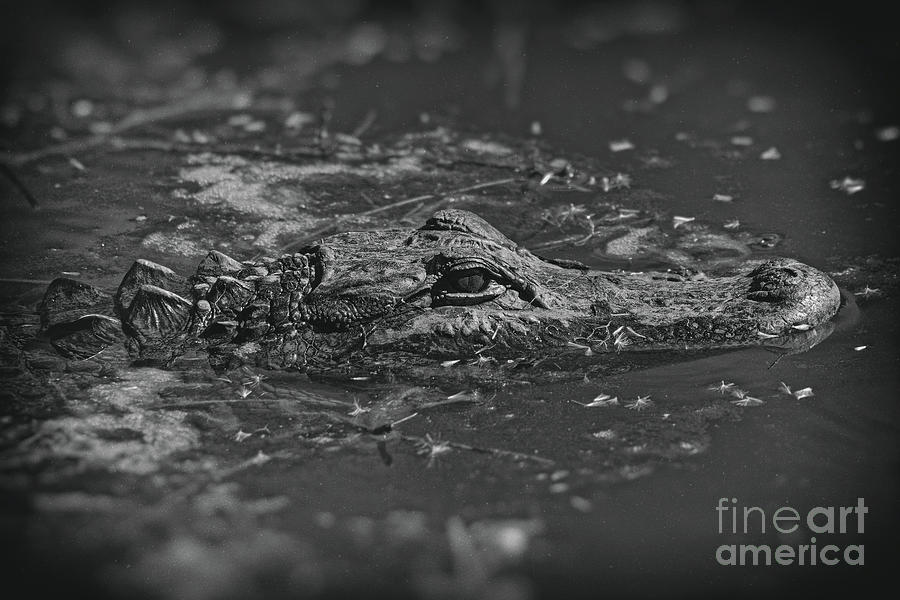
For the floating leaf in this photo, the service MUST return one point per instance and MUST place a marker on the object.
(848, 185)
(676, 221)
(804, 393)
(603, 400)
(621, 145)
(723, 197)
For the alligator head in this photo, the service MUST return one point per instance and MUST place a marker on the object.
(454, 287)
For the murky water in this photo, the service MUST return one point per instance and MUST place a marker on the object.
(201, 487)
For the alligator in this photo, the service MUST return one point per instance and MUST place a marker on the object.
(453, 287)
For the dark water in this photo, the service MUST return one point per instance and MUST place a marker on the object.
(334, 511)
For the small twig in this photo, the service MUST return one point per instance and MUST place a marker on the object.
(366, 123)
(314, 235)
(477, 186)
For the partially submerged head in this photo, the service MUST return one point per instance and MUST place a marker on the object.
(454, 287)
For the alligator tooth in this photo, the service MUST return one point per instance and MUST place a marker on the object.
(156, 314)
(228, 293)
(145, 272)
(67, 300)
(216, 264)
(86, 336)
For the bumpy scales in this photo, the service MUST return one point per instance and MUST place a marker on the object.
(447, 289)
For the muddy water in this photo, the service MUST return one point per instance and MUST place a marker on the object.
(523, 493)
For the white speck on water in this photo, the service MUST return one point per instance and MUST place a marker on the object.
(621, 145)
(848, 185)
(888, 134)
(771, 154)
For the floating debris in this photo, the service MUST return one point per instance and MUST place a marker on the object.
(867, 291)
(465, 396)
(603, 400)
(676, 221)
(748, 401)
(357, 409)
(721, 387)
(77, 164)
(606, 434)
(640, 403)
(723, 197)
(621, 145)
(241, 435)
(744, 399)
(742, 140)
(581, 504)
(732, 224)
(761, 104)
(587, 349)
(432, 447)
(848, 185)
(297, 120)
(804, 393)
(620, 340)
(450, 363)
(771, 154)
(802, 327)
(620, 180)
(559, 488)
(888, 134)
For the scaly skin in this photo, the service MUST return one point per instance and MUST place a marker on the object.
(451, 288)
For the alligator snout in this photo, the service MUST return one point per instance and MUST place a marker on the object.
(800, 296)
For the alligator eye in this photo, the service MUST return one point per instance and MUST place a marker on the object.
(465, 287)
(470, 281)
